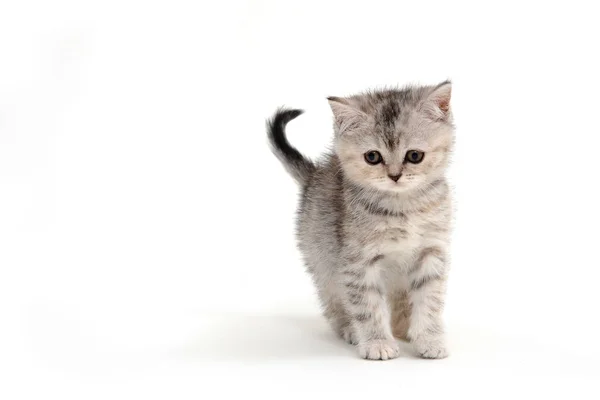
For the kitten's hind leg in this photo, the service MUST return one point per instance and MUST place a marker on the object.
(400, 307)
(338, 318)
(348, 334)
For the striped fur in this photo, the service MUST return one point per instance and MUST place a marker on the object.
(378, 249)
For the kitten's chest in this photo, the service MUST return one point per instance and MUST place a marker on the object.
(397, 239)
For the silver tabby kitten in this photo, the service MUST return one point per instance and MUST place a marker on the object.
(374, 217)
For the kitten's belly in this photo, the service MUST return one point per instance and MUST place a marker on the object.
(398, 242)
(398, 254)
(399, 248)
(394, 268)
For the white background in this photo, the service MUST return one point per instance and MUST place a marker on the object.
(146, 232)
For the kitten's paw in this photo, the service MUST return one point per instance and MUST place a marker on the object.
(349, 336)
(431, 348)
(379, 349)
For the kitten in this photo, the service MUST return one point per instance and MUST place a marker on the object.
(374, 217)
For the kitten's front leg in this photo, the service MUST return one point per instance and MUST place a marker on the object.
(368, 310)
(426, 295)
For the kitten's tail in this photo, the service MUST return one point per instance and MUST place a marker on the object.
(295, 163)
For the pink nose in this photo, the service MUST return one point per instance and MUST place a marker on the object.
(395, 177)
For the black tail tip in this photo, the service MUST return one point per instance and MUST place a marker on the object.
(285, 115)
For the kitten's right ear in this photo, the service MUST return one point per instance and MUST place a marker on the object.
(347, 117)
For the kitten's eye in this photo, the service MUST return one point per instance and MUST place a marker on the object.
(373, 157)
(414, 156)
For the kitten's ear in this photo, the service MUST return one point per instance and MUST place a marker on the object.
(438, 101)
(347, 117)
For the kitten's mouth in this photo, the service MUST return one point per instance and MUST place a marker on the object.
(394, 187)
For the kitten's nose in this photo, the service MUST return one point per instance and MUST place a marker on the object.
(395, 177)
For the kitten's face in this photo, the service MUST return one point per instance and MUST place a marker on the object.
(394, 141)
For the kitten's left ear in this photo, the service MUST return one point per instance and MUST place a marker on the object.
(438, 101)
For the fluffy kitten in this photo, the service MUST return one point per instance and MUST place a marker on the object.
(374, 217)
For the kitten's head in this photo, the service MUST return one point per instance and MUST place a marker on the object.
(394, 140)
